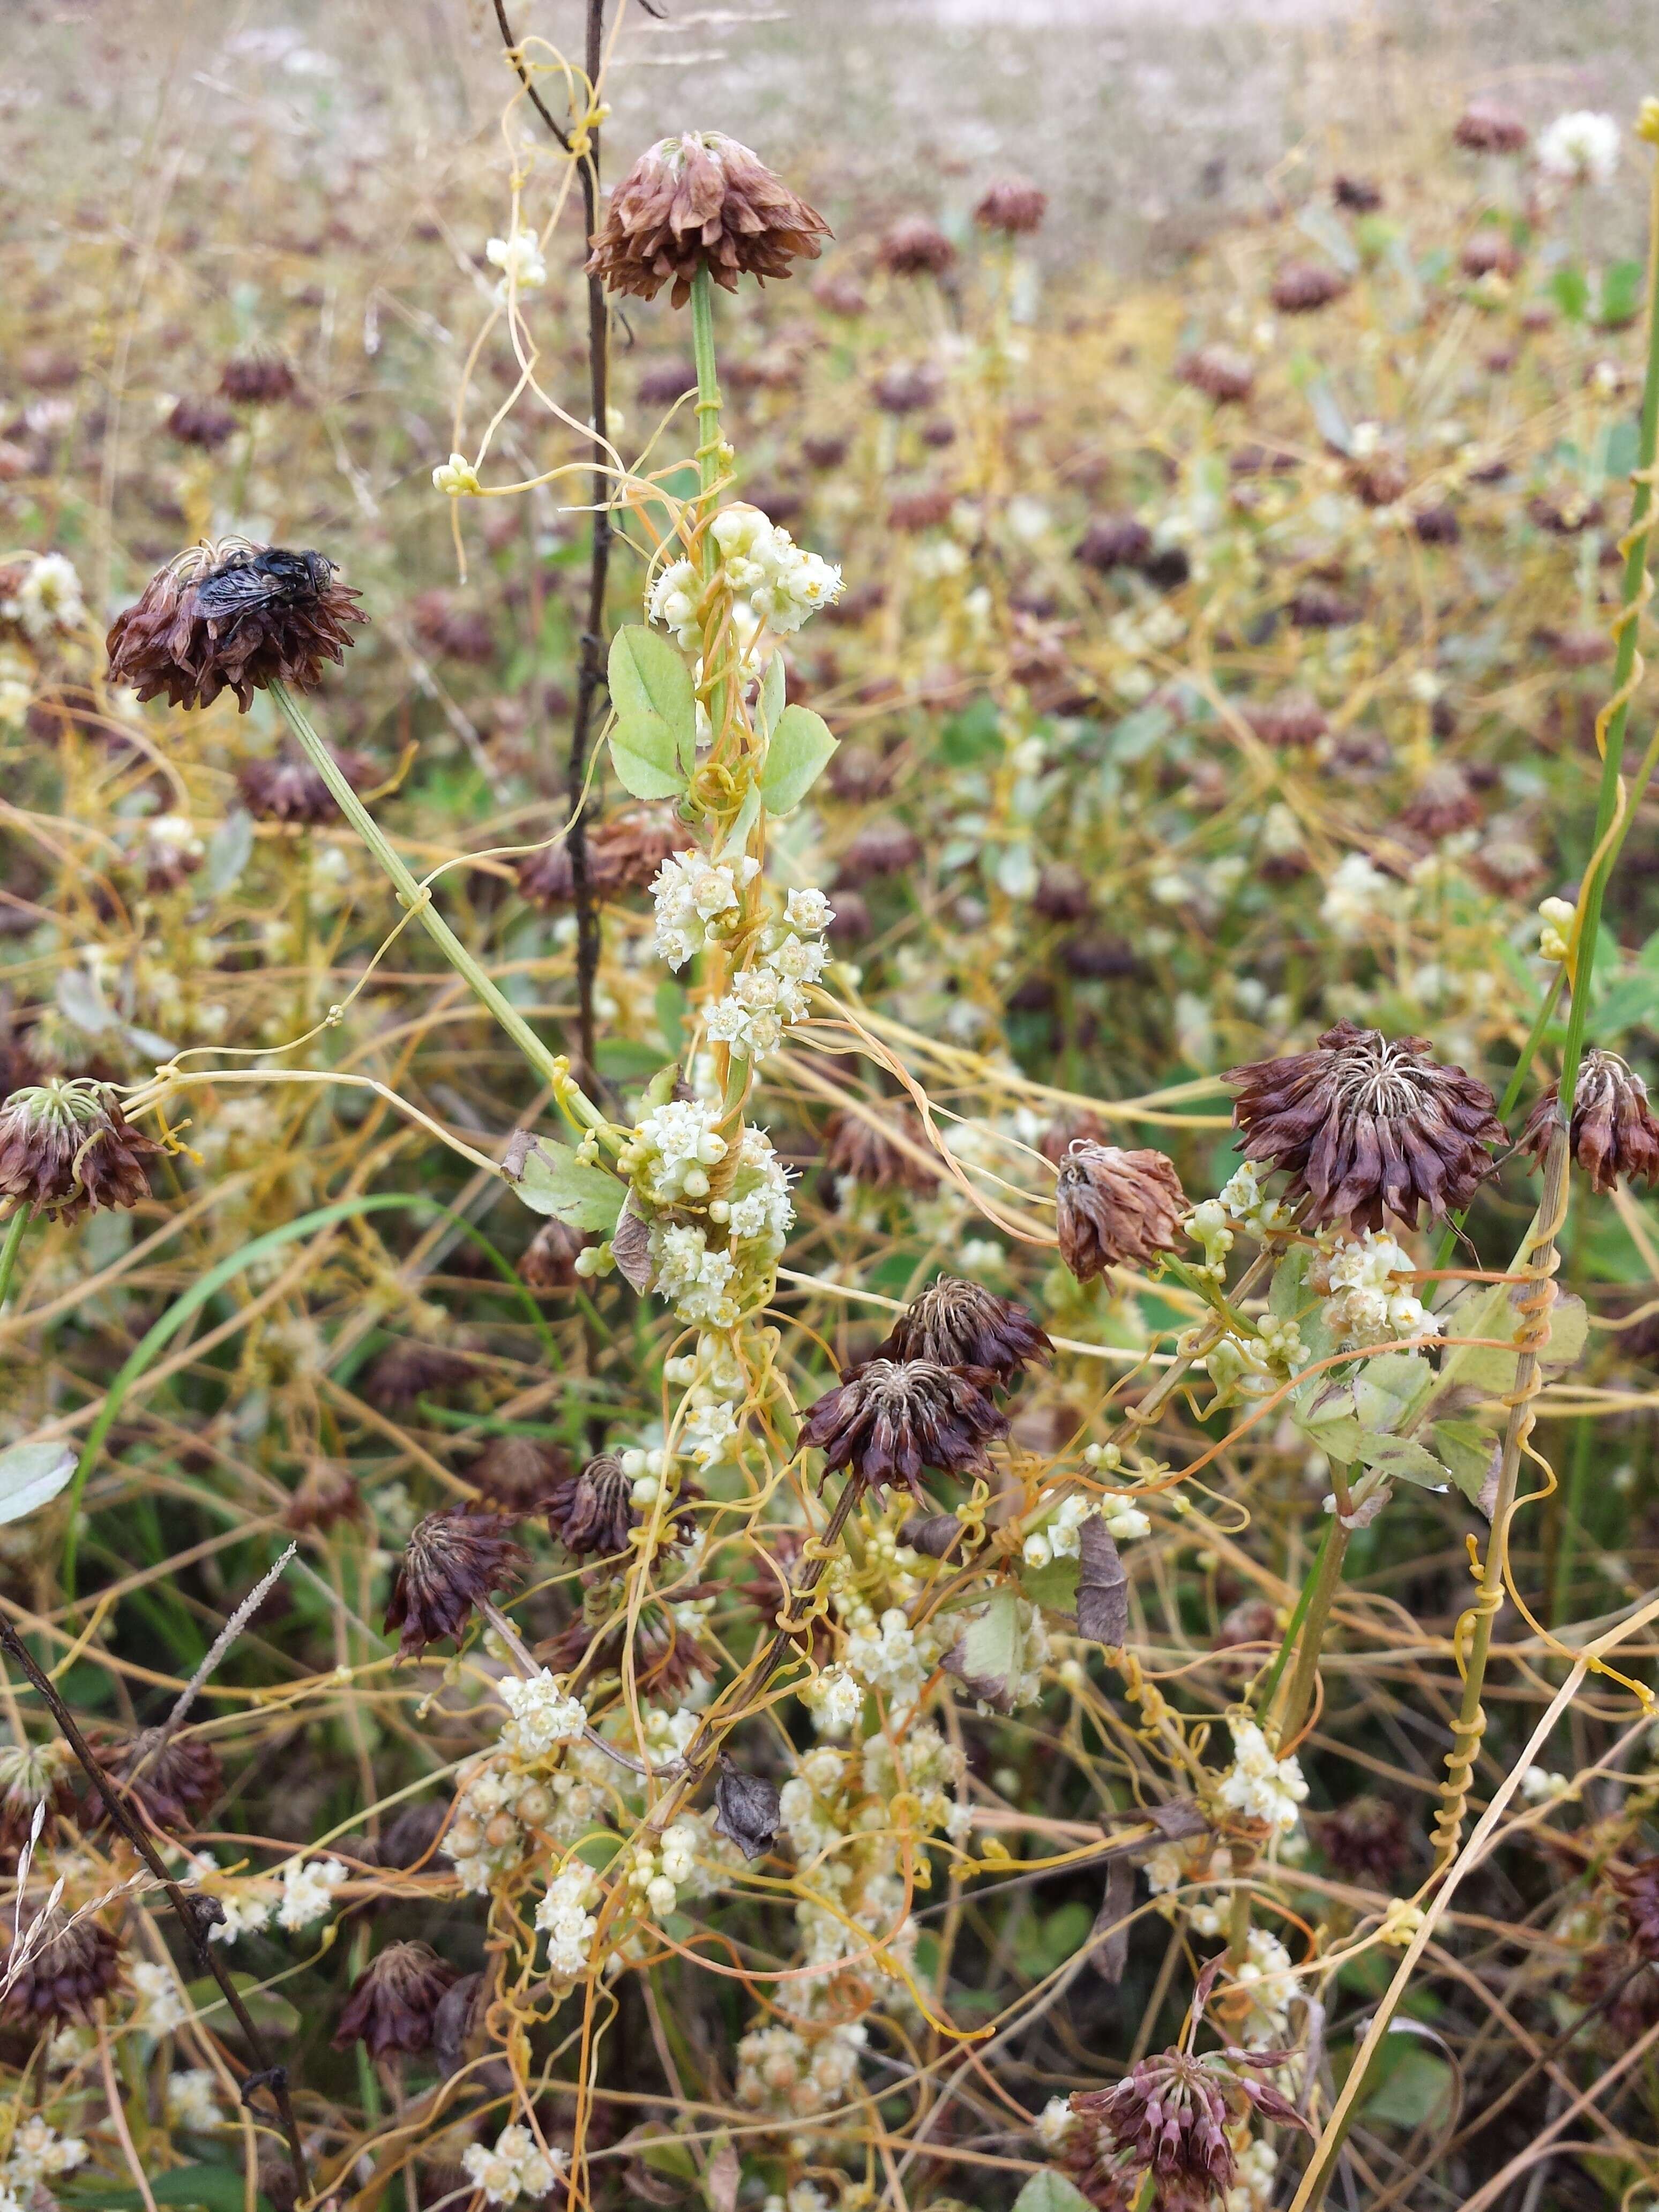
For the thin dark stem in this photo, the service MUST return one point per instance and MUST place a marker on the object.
(190, 1910)
(517, 60)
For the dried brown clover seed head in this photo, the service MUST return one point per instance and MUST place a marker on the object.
(960, 1324)
(1012, 205)
(233, 616)
(889, 1418)
(66, 1149)
(392, 2002)
(65, 1969)
(455, 1558)
(1367, 1128)
(701, 201)
(1613, 1130)
(1116, 1205)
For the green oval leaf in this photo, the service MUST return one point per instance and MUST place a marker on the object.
(552, 1180)
(654, 745)
(796, 757)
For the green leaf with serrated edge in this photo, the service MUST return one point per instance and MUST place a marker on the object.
(1402, 1457)
(554, 1181)
(1051, 2193)
(985, 1656)
(773, 687)
(648, 676)
(796, 757)
(31, 1476)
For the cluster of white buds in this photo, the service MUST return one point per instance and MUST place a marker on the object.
(674, 1872)
(16, 689)
(1556, 918)
(495, 1805)
(781, 583)
(564, 1917)
(543, 1718)
(46, 600)
(1366, 1303)
(1258, 1783)
(671, 1152)
(781, 2071)
(38, 2155)
(698, 902)
(191, 2103)
(1580, 148)
(159, 2008)
(933, 1772)
(519, 260)
(1357, 895)
(890, 1655)
(769, 994)
(1059, 1538)
(517, 2166)
(835, 1698)
(1242, 1198)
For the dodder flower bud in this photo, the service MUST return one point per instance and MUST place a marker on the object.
(66, 1149)
(889, 1418)
(1614, 1131)
(454, 1560)
(701, 201)
(232, 615)
(1365, 1128)
(1116, 1205)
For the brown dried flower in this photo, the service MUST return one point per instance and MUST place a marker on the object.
(1365, 1839)
(1486, 126)
(283, 789)
(455, 1558)
(1012, 205)
(915, 247)
(406, 1371)
(67, 1969)
(32, 1775)
(1114, 1205)
(700, 201)
(853, 1149)
(166, 1784)
(1358, 194)
(1614, 1131)
(518, 1474)
(66, 1149)
(882, 848)
(960, 1324)
(667, 1659)
(1489, 251)
(1443, 804)
(889, 1418)
(232, 615)
(592, 1511)
(1220, 371)
(324, 1495)
(622, 855)
(200, 422)
(902, 390)
(1317, 606)
(1367, 1128)
(1637, 1886)
(256, 380)
(1300, 287)
(1294, 718)
(393, 2001)
(1114, 541)
(549, 1259)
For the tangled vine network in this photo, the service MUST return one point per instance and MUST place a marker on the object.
(661, 1549)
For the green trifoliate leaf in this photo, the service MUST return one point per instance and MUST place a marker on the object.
(796, 757)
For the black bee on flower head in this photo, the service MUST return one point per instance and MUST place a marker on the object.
(272, 578)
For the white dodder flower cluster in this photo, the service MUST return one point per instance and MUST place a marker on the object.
(519, 260)
(766, 997)
(1260, 1785)
(1366, 1304)
(45, 598)
(777, 581)
(1580, 147)
(698, 902)
(563, 1917)
(516, 2167)
(543, 1717)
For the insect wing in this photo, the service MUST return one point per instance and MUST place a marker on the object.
(233, 591)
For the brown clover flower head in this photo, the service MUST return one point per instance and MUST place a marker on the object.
(1443, 804)
(1293, 718)
(1114, 1205)
(1114, 541)
(1063, 893)
(1300, 287)
(960, 1324)
(701, 201)
(283, 789)
(324, 1495)
(915, 247)
(1365, 1840)
(520, 1474)
(408, 1370)
(1487, 126)
(454, 1560)
(391, 2002)
(622, 855)
(260, 379)
(1222, 373)
(229, 615)
(904, 388)
(549, 1259)
(885, 846)
(855, 1151)
(889, 1418)
(67, 1968)
(1360, 195)
(592, 1511)
(1614, 1131)
(166, 1784)
(32, 1775)
(200, 422)
(667, 1659)
(1489, 251)
(1367, 1128)
(1638, 1895)
(66, 1149)
(1012, 205)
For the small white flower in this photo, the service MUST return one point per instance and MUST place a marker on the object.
(48, 598)
(516, 2167)
(1053, 2124)
(520, 259)
(1540, 1784)
(563, 1917)
(39, 2152)
(1356, 894)
(808, 911)
(1259, 1785)
(191, 2103)
(1580, 147)
(160, 2008)
(457, 478)
(308, 1888)
(543, 1717)
(835, 1698)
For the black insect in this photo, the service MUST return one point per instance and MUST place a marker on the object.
(274, 578)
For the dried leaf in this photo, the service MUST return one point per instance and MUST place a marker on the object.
(1108, 1952)
(985, 1656)
(937, 1535)
(722, 2177)
(630, 1244)
(748, 1808)
(1103, 1589)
